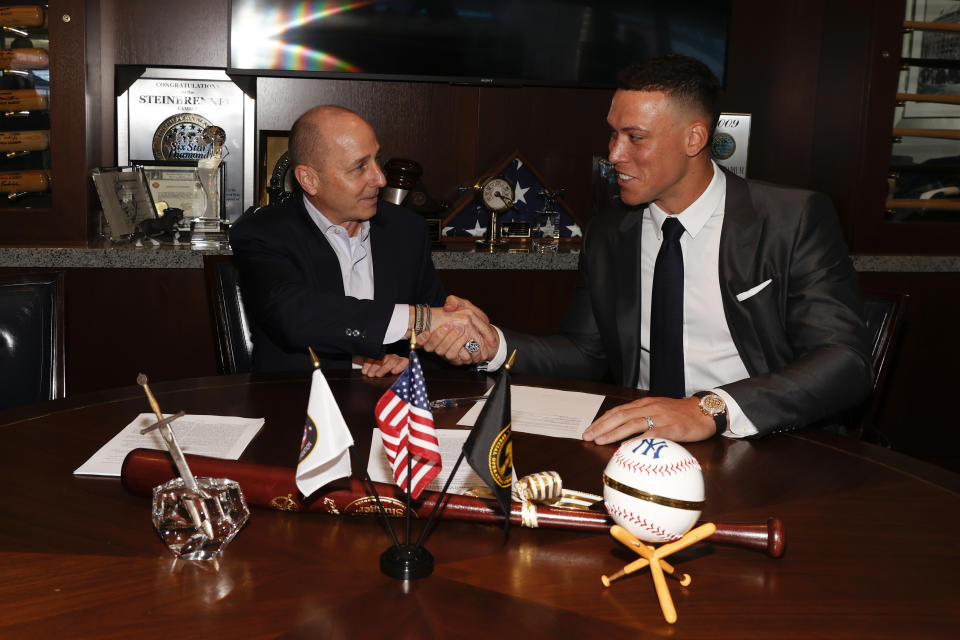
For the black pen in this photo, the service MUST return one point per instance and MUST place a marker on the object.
(454, 402)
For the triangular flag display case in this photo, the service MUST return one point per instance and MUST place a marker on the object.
(469, 221)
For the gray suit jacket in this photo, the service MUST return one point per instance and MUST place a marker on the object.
(802, 338)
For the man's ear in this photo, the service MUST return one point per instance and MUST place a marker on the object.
(308, 179)
(698, 137)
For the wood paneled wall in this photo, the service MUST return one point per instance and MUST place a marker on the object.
(787, 65)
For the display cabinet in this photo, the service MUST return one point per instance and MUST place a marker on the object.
(910, 178)
(43, 165)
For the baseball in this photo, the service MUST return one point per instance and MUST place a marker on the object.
(653, 488)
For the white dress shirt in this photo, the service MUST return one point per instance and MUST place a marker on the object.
(356, 267)
(710, 355)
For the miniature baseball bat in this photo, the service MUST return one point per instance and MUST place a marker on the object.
(276, 488)
(23, 100)
(24, 59)
(22, 16)
(16, 181)
(37, 140)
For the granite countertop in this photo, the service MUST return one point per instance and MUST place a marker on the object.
(183, 257)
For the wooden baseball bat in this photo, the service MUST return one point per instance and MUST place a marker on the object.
(276, 488)
(16, 181)
(37, 140)
(22, 16)
(24, 59)
(23, 100)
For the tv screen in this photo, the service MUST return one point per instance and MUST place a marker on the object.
(486, 42)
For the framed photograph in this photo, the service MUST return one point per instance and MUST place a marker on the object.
(177, 184)
(125, 199)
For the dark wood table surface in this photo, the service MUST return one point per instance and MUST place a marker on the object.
(872, 542)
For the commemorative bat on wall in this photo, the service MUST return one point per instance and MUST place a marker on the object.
(275, 488)
(23, 100)
(22, 16)
(21, 181)
(24, 59)
(38, 140)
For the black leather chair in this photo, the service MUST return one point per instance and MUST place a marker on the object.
(233, 334)
(31, 338)
(884, 314)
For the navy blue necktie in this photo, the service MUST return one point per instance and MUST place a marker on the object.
(666, 315)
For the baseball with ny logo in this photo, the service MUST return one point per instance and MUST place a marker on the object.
(653, 488)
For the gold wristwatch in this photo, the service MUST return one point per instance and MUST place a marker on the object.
(713, 405)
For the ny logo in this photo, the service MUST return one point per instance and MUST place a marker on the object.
(649, 445)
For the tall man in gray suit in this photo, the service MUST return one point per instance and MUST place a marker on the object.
(747, 312)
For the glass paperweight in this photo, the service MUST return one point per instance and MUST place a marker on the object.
(195, 527)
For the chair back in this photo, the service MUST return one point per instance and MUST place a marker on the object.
(233, 332)
(884, 316)
(31, 338)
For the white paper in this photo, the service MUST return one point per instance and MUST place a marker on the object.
(215, 436)
(451, 444)
(546, 412)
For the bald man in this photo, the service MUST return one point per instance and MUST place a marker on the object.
(335, 268)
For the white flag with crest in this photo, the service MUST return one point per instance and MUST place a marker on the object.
(324, 450)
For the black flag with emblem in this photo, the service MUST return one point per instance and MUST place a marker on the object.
(489, 448)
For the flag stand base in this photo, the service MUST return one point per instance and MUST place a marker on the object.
(406, 562)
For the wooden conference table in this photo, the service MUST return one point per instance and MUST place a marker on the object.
(872, 547)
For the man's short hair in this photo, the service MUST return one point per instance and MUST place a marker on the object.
(682, 78)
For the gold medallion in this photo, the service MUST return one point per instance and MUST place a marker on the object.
(179, 137)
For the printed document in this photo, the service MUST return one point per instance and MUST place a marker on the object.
(215, 436)
(546, 412)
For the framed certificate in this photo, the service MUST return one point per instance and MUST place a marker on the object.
(176, 183)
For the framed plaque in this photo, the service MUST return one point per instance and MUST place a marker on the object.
(125, 199)
(163, 112)
(730, 142)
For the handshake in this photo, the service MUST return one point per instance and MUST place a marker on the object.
(458, 332)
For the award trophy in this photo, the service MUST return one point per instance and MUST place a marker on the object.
(546, 238)
(195, 517)
(207, 230)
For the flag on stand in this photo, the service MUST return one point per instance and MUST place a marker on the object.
(489, 447)
(406, 424)
(324, 454)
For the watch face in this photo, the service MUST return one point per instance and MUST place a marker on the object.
(713, 404)
(496, 194)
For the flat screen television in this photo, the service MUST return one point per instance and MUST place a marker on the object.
(566, 43)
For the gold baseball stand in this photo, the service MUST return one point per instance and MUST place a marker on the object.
(654, 558)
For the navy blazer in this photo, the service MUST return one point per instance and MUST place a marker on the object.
(293, 290)
(802, 338)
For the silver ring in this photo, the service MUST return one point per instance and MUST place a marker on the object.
(649, 422)
(472, 346)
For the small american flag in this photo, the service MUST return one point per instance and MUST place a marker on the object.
(406, 424)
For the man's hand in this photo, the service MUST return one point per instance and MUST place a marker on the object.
(458, 322)
(677, 420)
(391, 364)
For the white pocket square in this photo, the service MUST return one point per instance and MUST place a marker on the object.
(749, 293)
